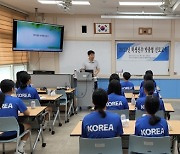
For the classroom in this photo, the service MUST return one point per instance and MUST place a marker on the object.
(70, 64)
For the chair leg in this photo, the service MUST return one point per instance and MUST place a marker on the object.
(17, 144)
(31, 150)
(66, 117)
(3, 147)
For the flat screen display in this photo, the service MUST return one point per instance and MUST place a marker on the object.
(34, 36)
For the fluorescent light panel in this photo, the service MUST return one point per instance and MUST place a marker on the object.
(141, 13)
(141, 3)
(139, 17)
(57, 2)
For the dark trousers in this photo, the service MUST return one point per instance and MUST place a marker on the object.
(95, 85)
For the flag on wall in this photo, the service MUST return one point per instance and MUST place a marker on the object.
(102, 28)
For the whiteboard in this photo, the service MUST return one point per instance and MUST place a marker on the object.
(75, 53)
(176, 58)
(137, 62)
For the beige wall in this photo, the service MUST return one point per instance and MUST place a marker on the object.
(122, 29)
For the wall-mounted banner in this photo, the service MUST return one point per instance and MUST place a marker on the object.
(143, 51)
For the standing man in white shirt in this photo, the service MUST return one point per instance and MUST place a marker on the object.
(92, 64)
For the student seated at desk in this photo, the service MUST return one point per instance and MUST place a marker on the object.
(148, 77)
(148, 90)
(27, 92)
(151, 125)
(101, 123)
(115, 100)
(127, 85)
(9, 106)
(115, 76)
(150, 73)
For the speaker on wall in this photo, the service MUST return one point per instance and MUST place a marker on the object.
(84, 29)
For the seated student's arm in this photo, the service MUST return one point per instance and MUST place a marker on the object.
(22, 107)
(137, 129)
(126, 106)
(161, 105)
(83, 130)
(119, 128)
(166, 133)
(36, 95)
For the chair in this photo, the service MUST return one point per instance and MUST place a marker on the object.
(120, 112)
(39, 121)
(63, 101)
(11, 124)
(147, 145)
(140, 113)
(100, 146)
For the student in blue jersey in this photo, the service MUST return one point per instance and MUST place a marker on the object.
(115, 76)
(150, 73)
(149, 91)
(127, 85)
(9, 107)
(25, 91)
(151, 125)
(101, 123)
(115, 100)
(148, 77)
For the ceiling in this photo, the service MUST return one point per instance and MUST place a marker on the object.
(97, 7)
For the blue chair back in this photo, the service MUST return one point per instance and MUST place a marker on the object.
(100, 146)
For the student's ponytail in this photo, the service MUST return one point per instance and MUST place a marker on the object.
(2, 98)
(100, 99)
(152, 106)
(22, 85)
(154, 120)
(151, 92)
(24, 78)
(101, 111)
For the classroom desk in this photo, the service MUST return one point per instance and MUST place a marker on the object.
(130, 95)
(46, 97)
(174, 124)
(168, 107)
(36, 112)
(137, 88)
(70, 90)
(53, 99)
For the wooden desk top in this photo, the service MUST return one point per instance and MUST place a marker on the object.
(130, 95)
(138, 88)
(174, 124)
(46, 97)
(168, 107)
(34, 112)
(70, 90)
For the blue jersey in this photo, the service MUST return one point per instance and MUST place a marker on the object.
(116, 102)
(122, 92)
(140, 104)
(27, 93)
(142, 93)
(142, 83)
(10, 108)
(143, 128)
(127, 86)
(94, 126)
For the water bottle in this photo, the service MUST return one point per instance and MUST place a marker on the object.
(33, 104)
(133, 101)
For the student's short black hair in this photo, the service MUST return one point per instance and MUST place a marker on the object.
(114, 76)
(114, 87)
(90, 52)
(126, 75)
(149, 87)
(100, 99)
(149, 72)
(6, 86)
(152, 104)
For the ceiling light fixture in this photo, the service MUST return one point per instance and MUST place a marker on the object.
(139, 17)
(141, 3)
(59, 2)
(140, 13)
